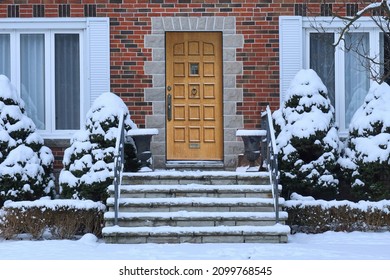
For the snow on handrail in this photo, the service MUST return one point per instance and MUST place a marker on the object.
(272, 130)
(118, 138)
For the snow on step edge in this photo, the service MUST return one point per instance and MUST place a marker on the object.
(193, 187)
(196, 215)
(210, 201)
(166, 230)
(196, 174)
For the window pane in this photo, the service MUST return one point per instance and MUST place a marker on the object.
(322, 60)
(32, 73)
(67, 81)
(385, 56)
(5, 55)
(357, 79)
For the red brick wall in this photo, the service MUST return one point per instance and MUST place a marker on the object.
(58, 154)
(257, 20)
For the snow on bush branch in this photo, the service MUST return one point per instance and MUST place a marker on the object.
(307, 139)
(362, 205)
(63, 218)
(366, 157)
(316, 216)
(312, 159)
(89, 161)
(25, 163)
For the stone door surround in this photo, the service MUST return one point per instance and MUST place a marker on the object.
(231, 68)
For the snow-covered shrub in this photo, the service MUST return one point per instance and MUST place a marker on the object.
(366, 158)
(25, 163)
(89, 160)
(63, 218)
(308, 215)
(307, 140)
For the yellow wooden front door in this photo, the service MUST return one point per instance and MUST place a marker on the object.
(194, 96)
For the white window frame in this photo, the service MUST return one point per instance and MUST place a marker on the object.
(94, 60)
(331, 25)
(50, 98)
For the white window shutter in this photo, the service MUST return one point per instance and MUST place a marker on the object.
(290, 50)
(98, 37)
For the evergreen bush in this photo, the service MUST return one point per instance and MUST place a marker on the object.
(26, 165)
(89, 161)
(317, 216)
(307, 140)
(62, 218)
(365, 162)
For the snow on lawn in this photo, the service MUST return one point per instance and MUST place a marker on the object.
(326, 246)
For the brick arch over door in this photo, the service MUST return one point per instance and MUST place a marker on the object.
(231, 68)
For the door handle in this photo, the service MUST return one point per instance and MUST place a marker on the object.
(169, 107)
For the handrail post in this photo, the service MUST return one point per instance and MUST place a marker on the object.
(118, 165)
(272, 158)
(264, 142)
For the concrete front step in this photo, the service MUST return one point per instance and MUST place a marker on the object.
(220, 234)
(196, 177)
(201, 204)
(193, 190)
(195, 206)
(185, 219)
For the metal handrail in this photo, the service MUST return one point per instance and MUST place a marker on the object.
(271, 157)
(118, 165)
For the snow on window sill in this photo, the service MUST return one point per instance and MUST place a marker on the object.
(59, 139)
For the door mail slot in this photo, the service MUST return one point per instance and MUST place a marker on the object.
(194, 146)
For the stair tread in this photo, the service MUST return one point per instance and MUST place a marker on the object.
(196, 215)
(194, 200)
(196, 174)
(193, 188)
(277, 229)
(166, 198)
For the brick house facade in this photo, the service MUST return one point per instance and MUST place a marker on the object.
(263, 47)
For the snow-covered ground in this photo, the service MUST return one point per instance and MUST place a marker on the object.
(356, 255)
(326, 246)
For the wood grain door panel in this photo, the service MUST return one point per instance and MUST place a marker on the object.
(194, 90)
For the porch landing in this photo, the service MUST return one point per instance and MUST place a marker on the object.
(170, 206)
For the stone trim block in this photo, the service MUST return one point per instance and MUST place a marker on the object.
(155, 94)
(154, 41)
(229, 54)
(153, 68)
(229, 81)
(229, 108)
(230, 67)
(155, 121)
(226, 24)
(234, 121)
(159, 81)
(233, 41)
(233, 94)
(159, 108)
(158, 55)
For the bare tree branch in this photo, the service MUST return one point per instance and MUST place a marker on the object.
(370, 9)
(379, 12)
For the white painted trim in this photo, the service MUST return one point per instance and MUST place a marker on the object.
(97, 46)
(42, 23)
(290, 51)
(365, 24)
(333, 23)
(50, 26)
